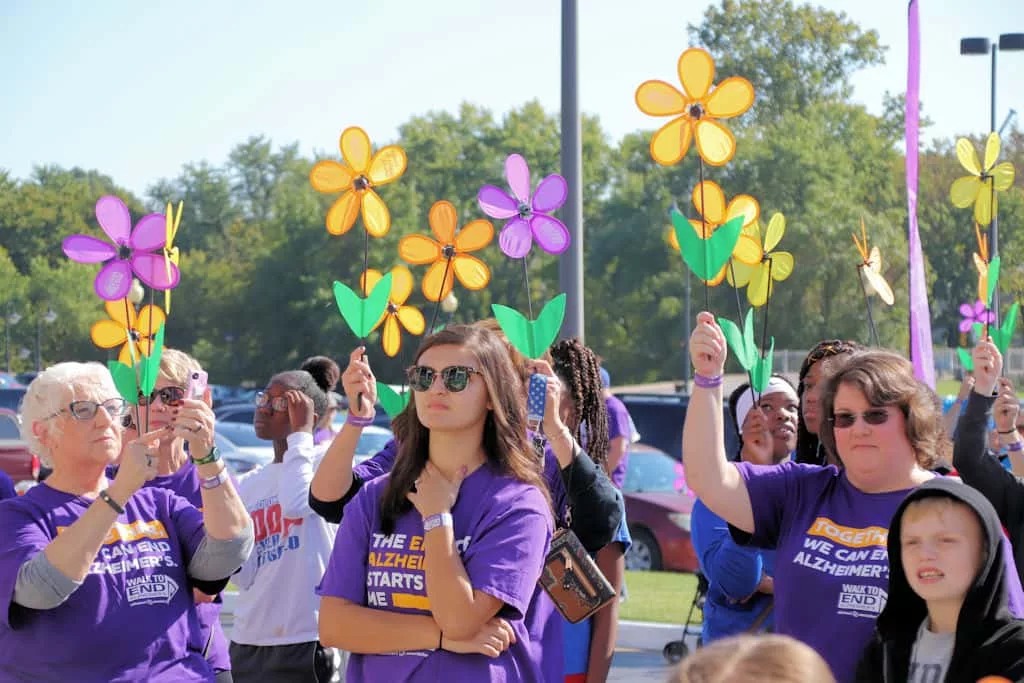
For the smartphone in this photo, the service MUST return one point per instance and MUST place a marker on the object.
(196, 385)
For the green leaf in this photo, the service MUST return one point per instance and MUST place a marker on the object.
(532, 337)
(124, 380)
(965, 359)
(993, 279)
(761, 373)
(735, 340)
(362, 314)
(749, 341)
(392, 401)
(705, 257)
(150, 365)
(1004, 335)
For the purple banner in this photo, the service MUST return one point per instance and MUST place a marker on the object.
(920, 316)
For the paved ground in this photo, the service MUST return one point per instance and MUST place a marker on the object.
(638, 665)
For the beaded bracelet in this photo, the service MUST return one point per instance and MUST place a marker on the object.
(707, 382)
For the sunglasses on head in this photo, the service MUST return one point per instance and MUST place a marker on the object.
(455, 377)
(169, 396)
(875, 416)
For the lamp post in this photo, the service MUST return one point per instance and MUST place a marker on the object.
(48, 318)
(449, 305)
(1007, 42)
(11, 318)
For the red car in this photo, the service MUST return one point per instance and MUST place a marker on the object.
(658, 506)
(15, 458)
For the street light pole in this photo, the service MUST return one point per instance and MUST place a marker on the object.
(48, 318)
(11, 318)
(980, 46)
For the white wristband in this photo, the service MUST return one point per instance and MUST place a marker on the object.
(435, 521)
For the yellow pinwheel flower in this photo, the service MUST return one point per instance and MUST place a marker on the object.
(775, 266)
(696, 110)
(135, 331)
(447, 255)
(397, 315)
(355, 179)
(709, 200)
(981, 186)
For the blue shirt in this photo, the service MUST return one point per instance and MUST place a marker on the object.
(732, 571)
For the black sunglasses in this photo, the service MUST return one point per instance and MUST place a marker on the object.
(875, 416)
(455, 377)
(169, 396)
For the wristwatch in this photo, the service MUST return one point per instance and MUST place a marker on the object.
(214, 456)
(435, 521)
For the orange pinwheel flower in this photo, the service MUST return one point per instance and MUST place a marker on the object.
(355, 179)
(134, 331)
(448, 253)
(696, 110)
(709, 201)
(397, 315)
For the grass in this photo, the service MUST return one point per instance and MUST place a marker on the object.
(662, 597)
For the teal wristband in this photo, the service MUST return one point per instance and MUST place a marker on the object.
(214, 456)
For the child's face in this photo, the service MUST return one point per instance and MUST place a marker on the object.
(942, 550)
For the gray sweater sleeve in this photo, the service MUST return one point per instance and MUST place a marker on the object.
(40, 585)
(215, 560)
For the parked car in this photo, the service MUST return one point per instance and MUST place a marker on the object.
(658, 506)
(237, 461)
(243, 437)
(10, 397)
(9, 381)
(659, 420)
(245, 412)
(16, 460)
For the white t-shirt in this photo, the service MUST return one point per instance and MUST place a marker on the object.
(930, 659)
(277, 604)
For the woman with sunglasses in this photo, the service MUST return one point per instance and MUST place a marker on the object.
(274, 637)
(170, 402)
(828, 525)
(574, 479)
(436, 563)
(103, 568)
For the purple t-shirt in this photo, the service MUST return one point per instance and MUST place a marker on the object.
(185, 482)
(6, 487)
(831, 564)
(502, 531)
(618, 425)
(379, 465)
(132, 619)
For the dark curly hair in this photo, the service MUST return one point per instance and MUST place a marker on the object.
(307, 384)
(807, 450)
(324, 370)
(577, 366)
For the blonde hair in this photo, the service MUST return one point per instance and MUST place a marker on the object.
(51, 392)
(929, 506)
(766, 658)
(177, 365)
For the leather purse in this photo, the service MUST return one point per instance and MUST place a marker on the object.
(573, 580)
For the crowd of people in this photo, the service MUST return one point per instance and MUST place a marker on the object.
(858, 535)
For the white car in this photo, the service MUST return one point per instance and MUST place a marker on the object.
(243, 436)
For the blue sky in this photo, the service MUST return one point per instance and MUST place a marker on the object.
(136, 90)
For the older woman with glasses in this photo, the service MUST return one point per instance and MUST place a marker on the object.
(829, 526)
(95, 574)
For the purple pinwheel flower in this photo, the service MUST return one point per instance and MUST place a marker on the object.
(131, 251)
(530, 217)
(976, 314)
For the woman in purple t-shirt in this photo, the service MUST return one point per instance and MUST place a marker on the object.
(829, 525)
(94, 574)
(436, 562)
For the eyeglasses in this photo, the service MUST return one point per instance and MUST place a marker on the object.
(875, 416)
(169, 396)
(455, 377)
(277, 404)
(86, 410)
